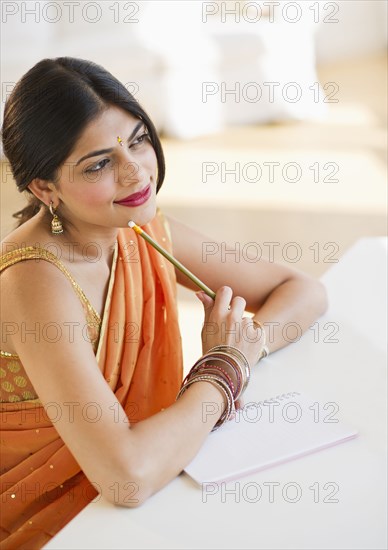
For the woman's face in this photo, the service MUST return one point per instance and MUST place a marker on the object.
(102, 171)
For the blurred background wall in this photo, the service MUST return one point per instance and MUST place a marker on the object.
(272, 114)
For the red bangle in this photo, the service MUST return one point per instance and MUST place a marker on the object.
(205, 366)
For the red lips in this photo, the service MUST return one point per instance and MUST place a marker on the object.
(136, 198)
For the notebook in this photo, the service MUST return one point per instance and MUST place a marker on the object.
(267, 433)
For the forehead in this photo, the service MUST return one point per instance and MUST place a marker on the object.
(102, 132)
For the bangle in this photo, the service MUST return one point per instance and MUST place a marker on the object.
(265, 351)
(220, 384)
(208, 368)
(233, 363)
(205, 370)
(239, 355)
(233, 350)
(228, 360)
(200, 366)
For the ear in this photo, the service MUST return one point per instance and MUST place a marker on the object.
(45, 191)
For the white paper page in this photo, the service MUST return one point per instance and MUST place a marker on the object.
(267, 433)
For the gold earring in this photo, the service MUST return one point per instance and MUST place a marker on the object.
(56, 224)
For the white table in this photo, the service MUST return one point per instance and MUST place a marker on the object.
(350, 372)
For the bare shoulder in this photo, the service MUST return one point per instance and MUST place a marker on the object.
(37, 293)
(29, 275)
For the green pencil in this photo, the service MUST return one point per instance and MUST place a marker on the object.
(171, 259)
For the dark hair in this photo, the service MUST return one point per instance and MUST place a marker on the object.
(47, 112)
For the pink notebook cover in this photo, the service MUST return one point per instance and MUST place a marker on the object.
(267, 433)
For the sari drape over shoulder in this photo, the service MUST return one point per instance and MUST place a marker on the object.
(138, 349)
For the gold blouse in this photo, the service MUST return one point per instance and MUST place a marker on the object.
(14, 382)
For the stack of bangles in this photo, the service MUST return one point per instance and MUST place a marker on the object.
(206, 371)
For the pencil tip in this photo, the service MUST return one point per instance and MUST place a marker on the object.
(131, 223)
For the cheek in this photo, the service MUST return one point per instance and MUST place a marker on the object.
(93, 194)
(150, 158)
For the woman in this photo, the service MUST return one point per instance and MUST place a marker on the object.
(91, 351)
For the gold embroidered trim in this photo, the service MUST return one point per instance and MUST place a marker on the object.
(7, 354)
(30, 253)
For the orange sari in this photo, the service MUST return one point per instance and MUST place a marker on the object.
(138, 349)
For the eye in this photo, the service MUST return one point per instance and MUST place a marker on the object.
(99, 166)
(140, 139)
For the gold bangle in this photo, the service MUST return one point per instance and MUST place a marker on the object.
(261, 327)
(265, 351)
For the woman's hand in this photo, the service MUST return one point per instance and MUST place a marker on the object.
(224, 324)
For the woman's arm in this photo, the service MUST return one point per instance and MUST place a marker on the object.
(286, 300)
(128, 462)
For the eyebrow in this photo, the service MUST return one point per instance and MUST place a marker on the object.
(103, 151)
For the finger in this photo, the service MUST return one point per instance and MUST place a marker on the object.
(237, 307)
(223, 297)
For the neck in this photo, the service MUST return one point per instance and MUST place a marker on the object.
(83, 242)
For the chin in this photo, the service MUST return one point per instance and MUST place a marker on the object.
(150, 215)
(144, 215)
